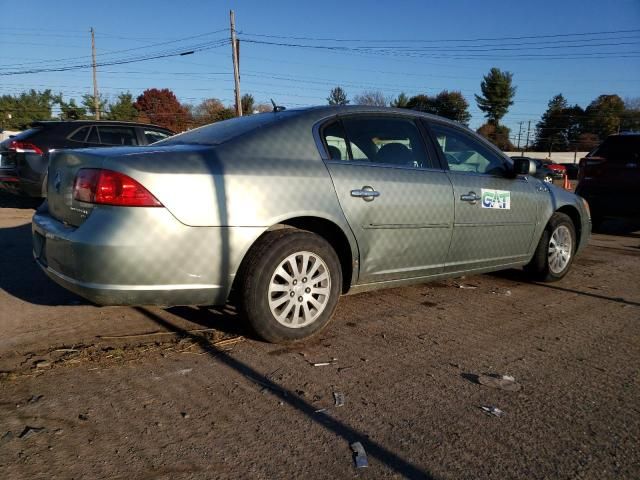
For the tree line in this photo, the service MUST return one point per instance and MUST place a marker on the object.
(562, 127)
(158, 106)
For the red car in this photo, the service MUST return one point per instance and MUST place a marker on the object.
(560, 169)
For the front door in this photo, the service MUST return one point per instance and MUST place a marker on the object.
(495, 215)
(396, 198)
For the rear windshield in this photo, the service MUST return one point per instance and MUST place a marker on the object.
(619, 148)
(220, 132)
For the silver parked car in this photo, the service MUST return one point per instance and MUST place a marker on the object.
(291, 209)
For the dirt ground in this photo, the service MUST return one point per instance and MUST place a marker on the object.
(147, 393)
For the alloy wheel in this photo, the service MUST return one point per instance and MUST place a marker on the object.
(299, 289)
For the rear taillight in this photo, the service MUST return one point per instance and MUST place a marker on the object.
(24, 147)
(107, 187)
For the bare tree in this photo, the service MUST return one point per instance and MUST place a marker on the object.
(371, 97)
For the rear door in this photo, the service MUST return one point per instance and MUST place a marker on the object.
(396, 197)
(495, 216)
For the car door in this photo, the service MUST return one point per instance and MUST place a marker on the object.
(495, 215)
(394, 193)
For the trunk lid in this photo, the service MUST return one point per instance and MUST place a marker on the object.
(63, 166)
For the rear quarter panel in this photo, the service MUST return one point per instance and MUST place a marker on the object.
(258, 179)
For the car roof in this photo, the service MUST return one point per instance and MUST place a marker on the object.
(322, 112)
(45, 123)
(220, 132)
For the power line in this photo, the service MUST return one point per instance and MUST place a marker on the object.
(445, 40)
(113, 52)
(191, 49)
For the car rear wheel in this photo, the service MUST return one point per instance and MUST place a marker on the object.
(290, 285)
(555, 251)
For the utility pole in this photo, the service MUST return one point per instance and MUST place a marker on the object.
(528, 129)
(96, 98)
(519, 132)
(236, 67)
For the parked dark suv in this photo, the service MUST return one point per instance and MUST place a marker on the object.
(24, 158)
(609, 178)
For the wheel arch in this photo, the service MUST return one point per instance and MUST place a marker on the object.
(574, 215)
(336, 237)
(344, 246)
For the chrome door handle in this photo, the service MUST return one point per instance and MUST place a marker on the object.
(367, 193)
(470, 197)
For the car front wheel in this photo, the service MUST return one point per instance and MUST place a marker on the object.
(554, 253)
(290, 285)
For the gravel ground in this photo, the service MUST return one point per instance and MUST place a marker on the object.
(143, 393)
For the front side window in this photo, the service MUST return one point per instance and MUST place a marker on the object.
(117, 135)
(464, 154)
(382, 140)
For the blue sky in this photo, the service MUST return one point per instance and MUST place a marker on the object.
(429, 46)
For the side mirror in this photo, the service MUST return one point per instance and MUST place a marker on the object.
(523, 166)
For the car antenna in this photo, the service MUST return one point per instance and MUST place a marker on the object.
(277, 108)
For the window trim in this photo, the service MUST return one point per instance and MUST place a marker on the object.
(86, 140)
(320, 126)
(443, 160)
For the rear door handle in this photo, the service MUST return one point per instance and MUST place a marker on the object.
(367, 193)
(470, 197)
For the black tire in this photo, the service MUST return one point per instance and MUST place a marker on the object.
(539, 267)
(259, 268)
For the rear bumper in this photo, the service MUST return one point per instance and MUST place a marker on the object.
(138, 256)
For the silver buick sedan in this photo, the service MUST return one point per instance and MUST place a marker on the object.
(291, 209)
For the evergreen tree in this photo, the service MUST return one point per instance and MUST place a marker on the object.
(551, 130)
(247, 103)
(19, 111)
(401, 101)
(337, 97)
(89, 106)
(71, 111)
(123, 109)
(497, 94)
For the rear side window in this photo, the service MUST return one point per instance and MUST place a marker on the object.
(117, 135)
(79, 135)
(382, 140)
(153, 136)
(620, 149)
